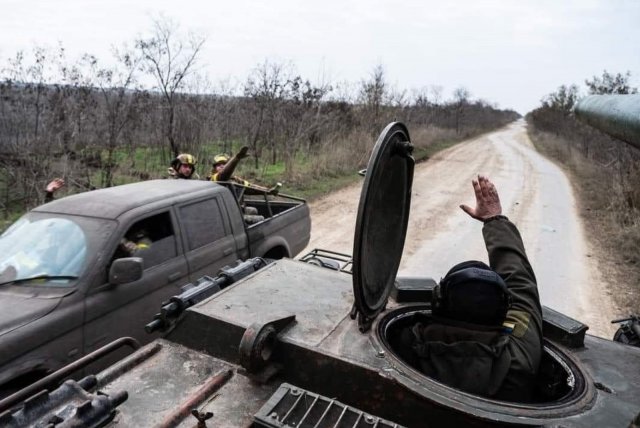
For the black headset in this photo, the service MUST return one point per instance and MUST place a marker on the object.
(472, 292)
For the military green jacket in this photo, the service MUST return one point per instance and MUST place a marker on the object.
(497, 362)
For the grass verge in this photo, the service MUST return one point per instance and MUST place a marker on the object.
(614, 236)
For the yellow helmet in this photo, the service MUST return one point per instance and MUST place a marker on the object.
(185, 159)
(220, 159)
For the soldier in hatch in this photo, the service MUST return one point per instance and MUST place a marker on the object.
(486, 334)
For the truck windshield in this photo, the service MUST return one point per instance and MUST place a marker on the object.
(51, 250)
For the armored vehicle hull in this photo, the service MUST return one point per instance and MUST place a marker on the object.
(295, 344)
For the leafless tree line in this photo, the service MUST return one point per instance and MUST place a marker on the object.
(97, 125)
(612, 167)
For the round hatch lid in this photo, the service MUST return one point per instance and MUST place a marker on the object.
(381, 225)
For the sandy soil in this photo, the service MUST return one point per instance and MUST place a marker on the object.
(535, 194)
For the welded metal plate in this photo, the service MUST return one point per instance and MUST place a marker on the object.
(381, 224)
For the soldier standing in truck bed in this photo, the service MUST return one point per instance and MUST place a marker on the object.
(224, 168)
(486, 333)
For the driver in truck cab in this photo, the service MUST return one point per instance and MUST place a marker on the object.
(485, 336)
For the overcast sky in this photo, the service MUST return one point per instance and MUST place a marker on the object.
(508, 52)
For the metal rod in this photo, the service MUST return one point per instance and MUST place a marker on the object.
(128, 363)
(66, 371)
(326, 411)
(315, 400)
(211, 386)
(344, 410)
(355, 425)
(284, 418)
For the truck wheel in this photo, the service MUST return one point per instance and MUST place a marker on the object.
(276, 253)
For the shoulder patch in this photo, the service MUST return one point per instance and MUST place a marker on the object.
(507, 327)
(520, 321)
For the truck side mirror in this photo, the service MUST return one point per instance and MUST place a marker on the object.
(125, 270)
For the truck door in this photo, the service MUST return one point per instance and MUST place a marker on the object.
(207, 237)
(123, 310)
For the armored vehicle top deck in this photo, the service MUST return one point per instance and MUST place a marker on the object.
(297, 345)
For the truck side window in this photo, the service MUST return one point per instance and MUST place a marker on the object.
(151, 238)
(203, 223)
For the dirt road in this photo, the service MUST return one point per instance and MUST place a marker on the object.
(535, 195)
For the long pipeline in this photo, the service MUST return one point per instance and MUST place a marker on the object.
(616, 115)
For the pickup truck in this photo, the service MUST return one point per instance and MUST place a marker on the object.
(67, 287)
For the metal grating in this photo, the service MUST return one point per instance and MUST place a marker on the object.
(291, 406)
(329, 259)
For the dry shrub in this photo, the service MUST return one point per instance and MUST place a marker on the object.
(343, 155)
(609, 195)
(426, 136)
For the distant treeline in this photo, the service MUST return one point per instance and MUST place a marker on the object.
(97, 126)
(608, 170)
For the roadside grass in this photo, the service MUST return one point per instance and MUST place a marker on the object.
(608, 220)
(311, 176)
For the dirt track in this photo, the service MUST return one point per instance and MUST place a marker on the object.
(536, 196)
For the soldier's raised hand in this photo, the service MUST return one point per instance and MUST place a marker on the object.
(487, 200)
(54, 185)
(243, 153)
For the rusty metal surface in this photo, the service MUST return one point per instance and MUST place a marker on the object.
(324, 352)
(292, 406)
(56, 377)
(158, 385)
(173, 380)
(276, 293)
(235, 405)
(70, 405)
(191, 402)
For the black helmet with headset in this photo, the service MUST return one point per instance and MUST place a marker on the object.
(473, 293)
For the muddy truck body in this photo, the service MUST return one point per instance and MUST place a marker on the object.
(295, 344)
(68, 288)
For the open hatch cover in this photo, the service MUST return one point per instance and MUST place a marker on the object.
(381, 224)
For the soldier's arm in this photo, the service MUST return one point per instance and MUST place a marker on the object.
(230, 166)
(506, 250)
(508, 258)
(51, 188)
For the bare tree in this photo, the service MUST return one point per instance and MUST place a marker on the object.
(267, 87)
(372, 95)
(119, 94)
(436, 94)
(611, 84)
(461, 97)
(170, 60)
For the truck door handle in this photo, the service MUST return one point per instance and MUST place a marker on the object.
(174, 276)
(227, 251)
